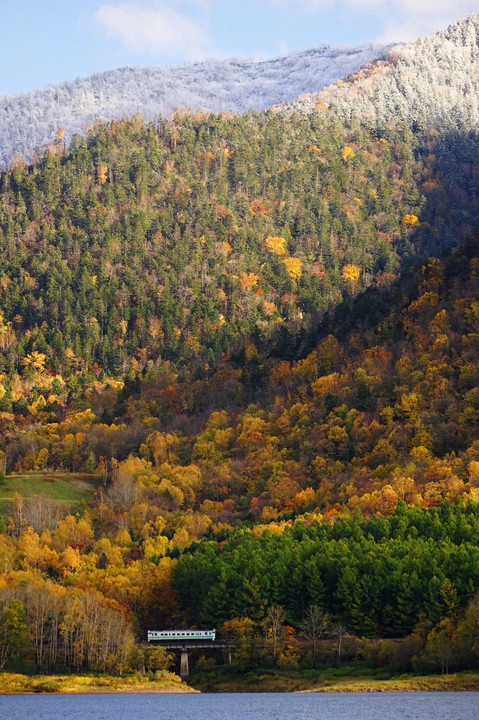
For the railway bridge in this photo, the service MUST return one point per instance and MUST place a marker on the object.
(184, 640)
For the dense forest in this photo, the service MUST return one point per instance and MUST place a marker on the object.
(235, 326)
(141, 244)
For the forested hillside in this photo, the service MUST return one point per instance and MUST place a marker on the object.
(257, 336)
(142, 244)
(380, 408)
(381, 414)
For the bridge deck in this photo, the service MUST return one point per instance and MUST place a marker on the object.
(191, 644)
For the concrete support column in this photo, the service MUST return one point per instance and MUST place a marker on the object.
(184, 669)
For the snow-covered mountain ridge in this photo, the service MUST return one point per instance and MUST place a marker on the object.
(30, 120)
(430, 83)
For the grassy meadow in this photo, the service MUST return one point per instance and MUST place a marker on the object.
(163, 681)
(63, 488)
(270, 681)
(330, 680)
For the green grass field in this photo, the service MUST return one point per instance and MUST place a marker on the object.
(64, 488)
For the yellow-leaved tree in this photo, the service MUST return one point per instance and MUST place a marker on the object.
(351, 272)
(102, 174)
(294, 267)
(409, 221)
(35, 360)
(275, 245)
(248, 280)
(347, 153)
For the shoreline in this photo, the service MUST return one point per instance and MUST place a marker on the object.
(448, 683)
(19, 684)
(466, 681)
(168, 683)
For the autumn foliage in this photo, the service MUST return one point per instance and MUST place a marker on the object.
(275, 245)
(189, 335)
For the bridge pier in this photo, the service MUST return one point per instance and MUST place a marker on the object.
(181, 646)
(184, 668)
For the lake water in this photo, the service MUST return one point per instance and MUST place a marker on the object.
(244, 706)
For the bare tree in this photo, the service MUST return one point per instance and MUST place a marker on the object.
(17, 521)
(42, 513)
(273, 626)
(339, 632)
(122, 492)
(43, 602)
(313, 626)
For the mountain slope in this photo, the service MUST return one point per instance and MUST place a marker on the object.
(30, 120)
(213, 315)
(172, 242)
(431, 82)
(372, 419)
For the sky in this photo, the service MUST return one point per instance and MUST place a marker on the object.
(48, 41)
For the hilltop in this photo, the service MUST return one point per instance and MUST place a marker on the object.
(30, 121)
(430, 83)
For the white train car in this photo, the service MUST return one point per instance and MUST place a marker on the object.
(181, 635)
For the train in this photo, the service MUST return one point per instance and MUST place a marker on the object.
(181, 635)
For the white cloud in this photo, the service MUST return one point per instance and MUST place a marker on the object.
(180, 29)
(155, 28)
(412, 20)
(403, 19)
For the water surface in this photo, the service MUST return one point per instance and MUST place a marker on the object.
(244, 706)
